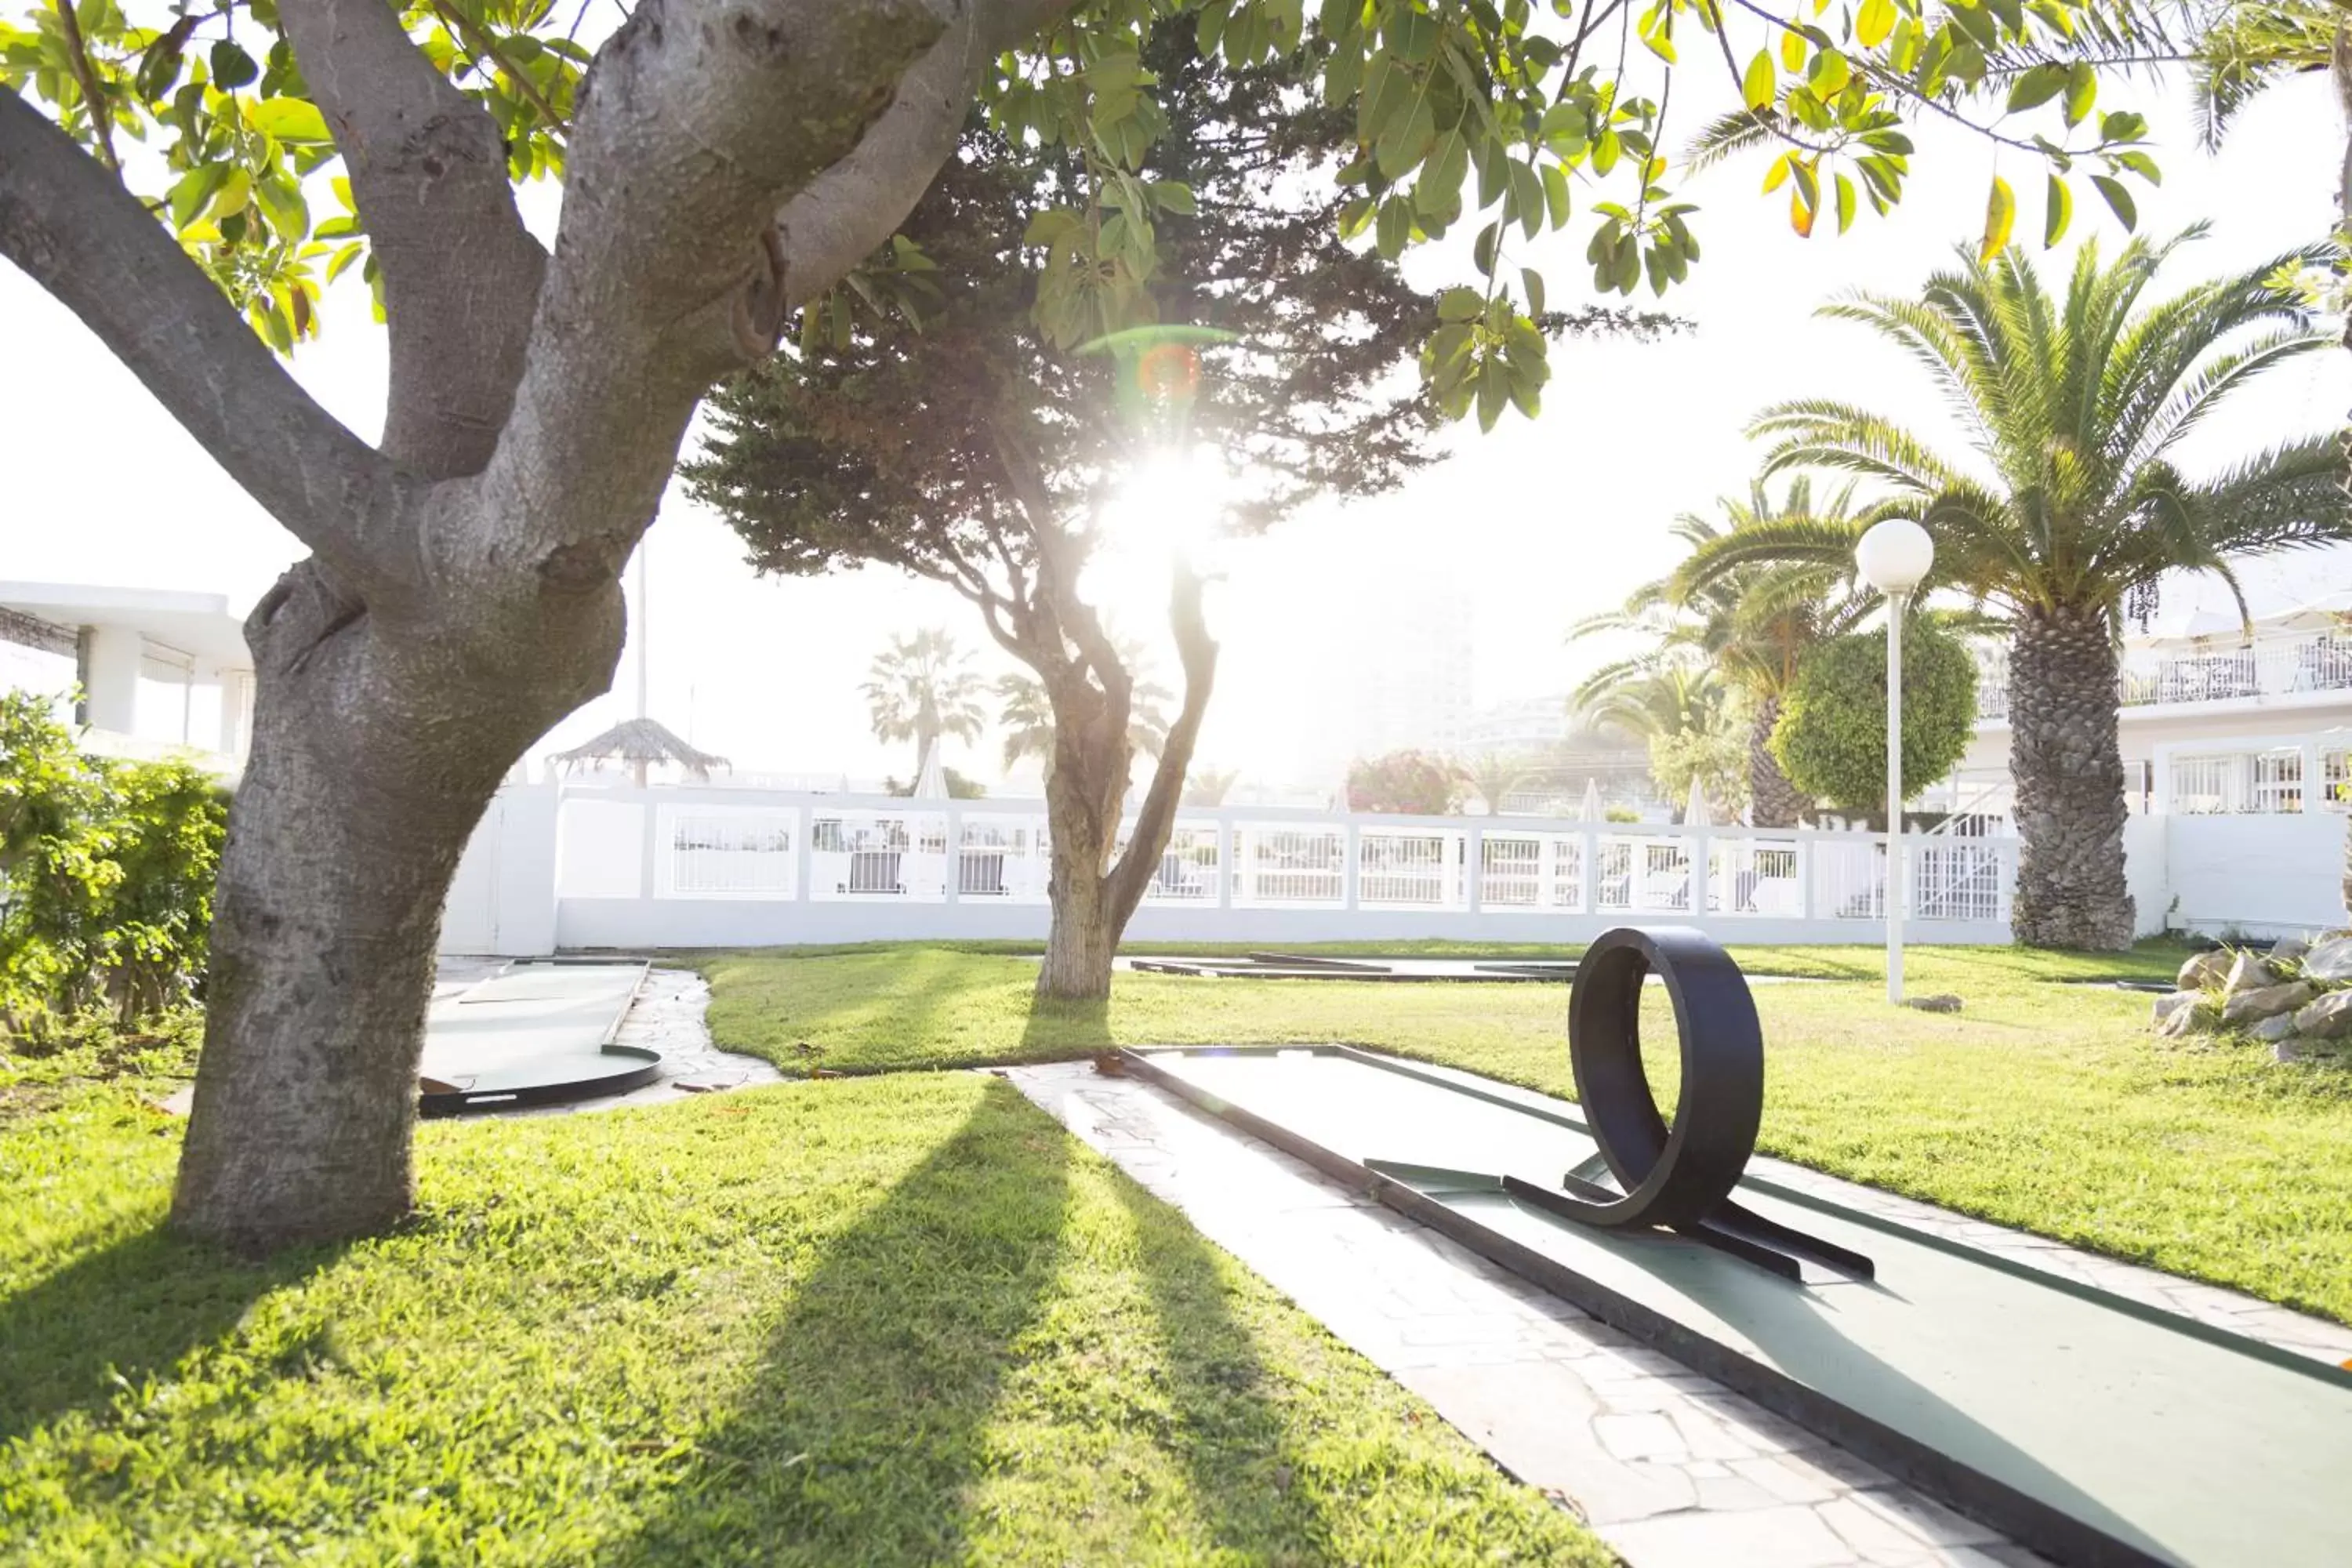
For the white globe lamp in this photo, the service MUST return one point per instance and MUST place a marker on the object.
(1894, 557)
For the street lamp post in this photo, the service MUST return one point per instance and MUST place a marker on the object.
(1893, 557)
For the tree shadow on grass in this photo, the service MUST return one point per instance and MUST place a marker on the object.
(1059, 1028)
(132, 1308)
(860, 1436)
(1231, 1431)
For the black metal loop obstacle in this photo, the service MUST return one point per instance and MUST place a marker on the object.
(1678, 1174)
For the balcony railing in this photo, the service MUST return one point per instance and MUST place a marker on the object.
(2150, 677)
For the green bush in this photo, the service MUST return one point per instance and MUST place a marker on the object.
(1415, 784)
(105, 878)
(1831, 737)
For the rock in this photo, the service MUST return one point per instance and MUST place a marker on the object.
(2287, 1050)
(2166, 1006)
(2330, 960)
(2280, 1027)
(2267, 1000)
(1942, 1001)
(2189, 1020)
(2204, 969)
(2247, 973)
(2286, 950)
(2327, 1018)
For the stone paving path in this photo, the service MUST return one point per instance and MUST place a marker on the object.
(1671, 1469)
(668, 1016)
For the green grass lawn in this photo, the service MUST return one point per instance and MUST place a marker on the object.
(881, 1321)
(2043, 1105)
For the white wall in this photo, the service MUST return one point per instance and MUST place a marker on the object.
(2147, 875)
(552, 869)
(503, 900)
(2263, 875)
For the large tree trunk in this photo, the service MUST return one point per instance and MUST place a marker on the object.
(1083, 935)
(2069, 774)
(1773, 801)
(1085, 790)
(375, 750)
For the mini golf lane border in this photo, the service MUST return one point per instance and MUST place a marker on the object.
(646, 1066)
(2025, 1518)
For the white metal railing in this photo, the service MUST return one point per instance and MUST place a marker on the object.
(677, 843)
(732, 852)
(2267, 667)
(1278, 865)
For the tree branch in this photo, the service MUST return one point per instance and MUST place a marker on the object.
(696, 125)
(93, 97)
(1155, 820)
(86, 240)
(837, 221)
(428, 173)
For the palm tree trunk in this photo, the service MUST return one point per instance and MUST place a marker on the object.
(2069, 774)
(1773, 801)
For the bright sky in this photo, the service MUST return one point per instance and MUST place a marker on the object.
(1541, 524)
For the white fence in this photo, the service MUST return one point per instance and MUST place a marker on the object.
(694, 867)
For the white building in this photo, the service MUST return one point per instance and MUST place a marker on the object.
(161, 674)
(1407, 676)
(2237, 752)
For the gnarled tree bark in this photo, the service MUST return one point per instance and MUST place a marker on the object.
(726, 164)
(1093, 898)
(2068, 769)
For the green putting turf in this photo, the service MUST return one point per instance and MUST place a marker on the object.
(2181, 1444)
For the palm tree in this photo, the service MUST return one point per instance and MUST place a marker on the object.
(1753, 625)
(1672, 699)
(1493, 776)
(920, 688)
(2074, 405)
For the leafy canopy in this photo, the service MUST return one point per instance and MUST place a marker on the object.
(1485, 112)
(1832, 738)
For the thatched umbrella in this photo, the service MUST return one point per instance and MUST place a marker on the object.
(641, 742)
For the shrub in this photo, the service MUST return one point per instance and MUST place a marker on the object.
(105, 878)
(1831, 737)
(1412, 783)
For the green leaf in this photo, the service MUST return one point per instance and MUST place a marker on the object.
(1875, 22)
(2037, 87)
(1792, 49)
(1485, 252)
(1527, 198)
(1394, 229)
(1844, 204)
(1761, 85)
(1460, 305)
(2082, 91)
(1174, 196)
(2057, 212)
(1557, 198)
(1532, 282)
(192, 190)
(2000, 214)
(232, 67)
(1830, 73)
(289, 120)
(2119, 199)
